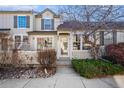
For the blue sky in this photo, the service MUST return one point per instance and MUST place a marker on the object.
(28, 7)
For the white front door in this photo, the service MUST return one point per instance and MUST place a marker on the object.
(64, 50)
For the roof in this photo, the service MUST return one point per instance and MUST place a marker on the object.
(42, 32)
(5, 29)
(47, 9)
(75, 25)
(16, 11)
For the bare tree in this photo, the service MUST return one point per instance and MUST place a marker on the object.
(93, 18)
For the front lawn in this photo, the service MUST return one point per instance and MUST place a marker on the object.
(91, 68)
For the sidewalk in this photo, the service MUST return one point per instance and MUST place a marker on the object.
(65, 77)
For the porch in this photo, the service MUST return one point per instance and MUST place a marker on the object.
(71, 45)
(66, 43)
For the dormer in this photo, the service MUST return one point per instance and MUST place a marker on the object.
(47, 20)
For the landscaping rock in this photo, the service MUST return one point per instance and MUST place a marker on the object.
(12, 73)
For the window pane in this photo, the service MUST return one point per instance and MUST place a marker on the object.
(76, 42)
(25, 39)
(108, 38)
(47, 24)
(44, 42)
(17, 38)
(17, 41)
(21, 21)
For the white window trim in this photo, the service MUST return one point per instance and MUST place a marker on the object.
(19, 35)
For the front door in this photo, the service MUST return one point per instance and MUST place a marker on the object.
(64, 46)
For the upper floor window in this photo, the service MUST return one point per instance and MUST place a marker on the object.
(47, 24)
(21, 21)
(76, 42)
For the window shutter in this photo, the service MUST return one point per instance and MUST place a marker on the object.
(114, 37)
(101, 38)
(15, 21)
(42, 24)
(28, 22)
(52, 24)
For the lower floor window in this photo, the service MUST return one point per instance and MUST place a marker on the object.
(20, 40)
(44, 42)
(79, 43)
(17, 41)
(108, 38)
(25, 39)
(76, 42)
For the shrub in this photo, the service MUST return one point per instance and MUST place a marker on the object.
(121, 45)
(115, 52)
(91, 68)
(16, 58)
(47, 58)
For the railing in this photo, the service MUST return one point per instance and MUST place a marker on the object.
(81, 54)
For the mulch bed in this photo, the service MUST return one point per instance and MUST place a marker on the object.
(25, 73)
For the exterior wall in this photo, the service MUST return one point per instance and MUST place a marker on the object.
(38, 24)
(56, 23)
(7, 21)
(47, 14)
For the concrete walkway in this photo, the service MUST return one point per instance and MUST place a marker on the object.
(65, 77)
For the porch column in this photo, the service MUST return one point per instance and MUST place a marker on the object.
(71, 45)
(81, 42)
(114, 36)
(35, 42)
(21, 39)
(58, 45)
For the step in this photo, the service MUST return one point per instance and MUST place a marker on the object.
(64, 59)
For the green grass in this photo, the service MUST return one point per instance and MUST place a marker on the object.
(91, 68)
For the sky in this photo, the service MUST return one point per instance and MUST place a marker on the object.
(37, 8)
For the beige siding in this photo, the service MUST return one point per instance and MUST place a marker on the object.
(7, 21)
(47, 15)
(38, 24)
(57, 23)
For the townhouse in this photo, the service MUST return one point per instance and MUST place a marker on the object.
(31, 31)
